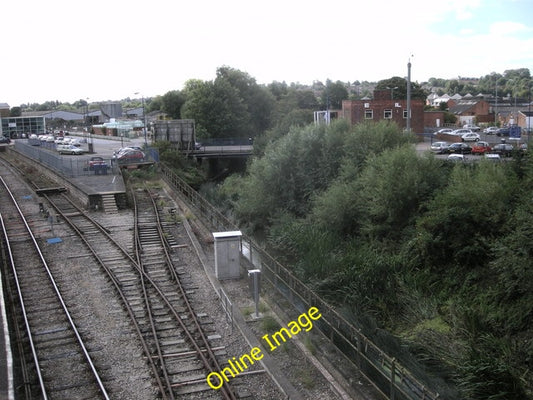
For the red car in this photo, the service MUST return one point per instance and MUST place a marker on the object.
(481, 148)
(127, 156)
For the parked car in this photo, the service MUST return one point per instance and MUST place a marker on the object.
(492, 157)
(470, 137)
(473, 128)
(96, 162)
(461, 132)
(68, 149)
(444, 131)
(461, 148)
(504, 149)
(4, 139)
(503, 131)
(456, 157)
(481, 148)
(523, 147)
(439, 147)
(129, 156)
(491, 130)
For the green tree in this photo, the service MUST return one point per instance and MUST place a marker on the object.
(333, 95)
(258, 100)
(15, 112)
(217, 109)
(292, 170)
(171, 103)
(398, 87)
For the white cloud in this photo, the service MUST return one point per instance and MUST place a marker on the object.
(508, 28)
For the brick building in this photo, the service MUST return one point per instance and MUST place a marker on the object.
(384, 107)
(471, 111)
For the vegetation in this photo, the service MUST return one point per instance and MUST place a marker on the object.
(437, 254)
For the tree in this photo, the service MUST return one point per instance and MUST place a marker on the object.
(217, 109)
(232, 105)
(398, 87)
(333, 95)
(15, 112)
(258, 100)
(171, 103)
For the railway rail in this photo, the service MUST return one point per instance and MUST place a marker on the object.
(61, 366)
(178, 352)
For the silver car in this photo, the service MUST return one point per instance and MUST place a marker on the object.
(439, 147)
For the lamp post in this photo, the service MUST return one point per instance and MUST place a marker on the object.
(409, 96)
(144, 121)
(392, 91)
(90, 147)
(529, 114)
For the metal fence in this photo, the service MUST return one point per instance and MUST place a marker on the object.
(388, 376)
(72, 166)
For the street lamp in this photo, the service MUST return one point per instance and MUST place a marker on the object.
(409, 96)
(90, 147)
(144, 120)
(392, 91)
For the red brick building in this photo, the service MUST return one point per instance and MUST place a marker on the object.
(382, 107)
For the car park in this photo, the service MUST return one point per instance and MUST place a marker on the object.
(460, 148)
(439, 147)
(470, 137)
(491, 130)
(504, 149)
(481, 148)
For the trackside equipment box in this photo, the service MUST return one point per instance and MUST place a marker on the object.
(227, 254)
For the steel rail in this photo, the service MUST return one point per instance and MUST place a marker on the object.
(138, 251)
(111, 275)
(148, 279)
(59, 296)
(227, 391)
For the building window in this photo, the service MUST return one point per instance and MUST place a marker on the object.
(369, 114)
(387, 114)
(404, 114)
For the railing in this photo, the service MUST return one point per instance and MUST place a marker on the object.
(389, 378)
(74, 166)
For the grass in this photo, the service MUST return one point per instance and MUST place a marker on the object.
(269, 324)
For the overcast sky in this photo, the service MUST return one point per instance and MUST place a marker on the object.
(108, 50)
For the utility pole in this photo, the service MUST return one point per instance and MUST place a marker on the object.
(409, 96)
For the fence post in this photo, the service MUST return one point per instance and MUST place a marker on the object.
(392, 379)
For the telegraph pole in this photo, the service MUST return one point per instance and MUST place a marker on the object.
(409, 96)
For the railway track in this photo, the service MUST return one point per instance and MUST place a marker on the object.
(142, 273)
(178, 352)
(60, 365)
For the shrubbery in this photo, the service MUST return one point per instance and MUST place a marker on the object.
(384, 231)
